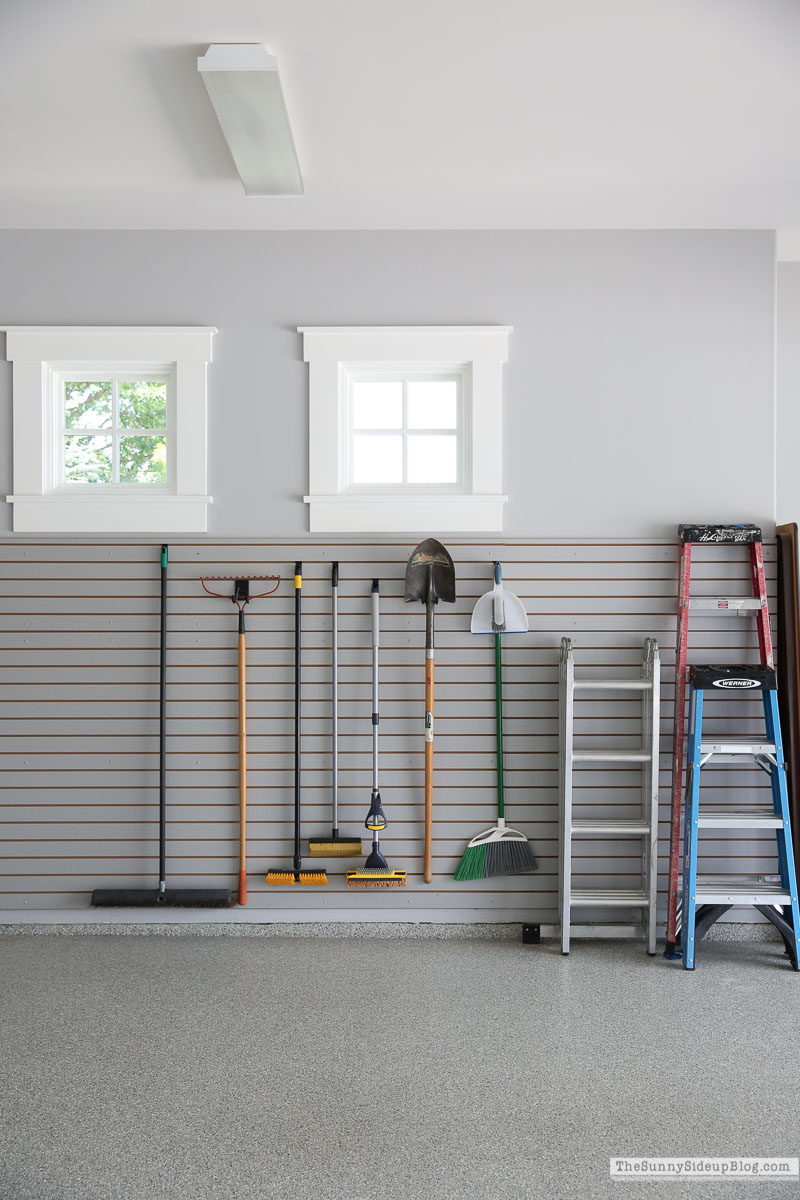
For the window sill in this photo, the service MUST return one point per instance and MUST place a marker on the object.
(406, 514)
(110, 514)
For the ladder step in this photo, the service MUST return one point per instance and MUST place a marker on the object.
(608, 930)
(617, 685)
(740, 889)
(597, 897)
(737, 748)
(611, 756)
(621, 826)
(724, 603)
(752, 816)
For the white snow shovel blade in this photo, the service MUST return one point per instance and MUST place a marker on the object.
(499, 611)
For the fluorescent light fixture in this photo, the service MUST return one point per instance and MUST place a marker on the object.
(243, 83)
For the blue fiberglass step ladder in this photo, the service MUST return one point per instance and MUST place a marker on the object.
(707, 897)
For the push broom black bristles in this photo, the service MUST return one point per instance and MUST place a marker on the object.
(171, 898)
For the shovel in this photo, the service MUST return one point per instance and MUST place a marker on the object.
(430, 577)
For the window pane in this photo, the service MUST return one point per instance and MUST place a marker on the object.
(87, 459)
(432, 459)
(378, 405)
(432, 404)
(377, 459)
(87, 405)
(143, 459)
(143, 404)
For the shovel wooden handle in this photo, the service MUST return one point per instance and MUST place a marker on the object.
(428, 864)
(242, 771)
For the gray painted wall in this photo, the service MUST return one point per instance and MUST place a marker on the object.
(638, 363)
(788, 506)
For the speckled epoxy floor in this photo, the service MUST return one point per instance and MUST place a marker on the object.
(202, 1068)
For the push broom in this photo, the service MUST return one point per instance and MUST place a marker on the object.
(376, 872)
(499, 850)
(162, 896)
(282, 876)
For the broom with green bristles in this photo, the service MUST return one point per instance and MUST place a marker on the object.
(499, 850)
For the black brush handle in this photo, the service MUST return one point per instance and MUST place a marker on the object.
(162, 731)
(298, 591)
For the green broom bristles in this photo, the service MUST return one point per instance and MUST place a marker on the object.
(496, 851)
(472, 864)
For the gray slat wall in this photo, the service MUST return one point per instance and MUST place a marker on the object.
(79, 716)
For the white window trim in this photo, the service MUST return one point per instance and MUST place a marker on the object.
(333, 353)
(39, 354)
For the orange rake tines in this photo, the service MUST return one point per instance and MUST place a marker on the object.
(241, 597)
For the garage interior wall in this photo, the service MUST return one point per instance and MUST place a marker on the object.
(641, 373)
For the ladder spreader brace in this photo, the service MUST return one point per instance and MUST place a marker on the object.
(706, 535)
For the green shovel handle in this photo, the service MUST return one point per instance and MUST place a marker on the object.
(498, 695)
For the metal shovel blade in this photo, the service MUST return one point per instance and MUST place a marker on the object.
(499, 611)
(430, 574)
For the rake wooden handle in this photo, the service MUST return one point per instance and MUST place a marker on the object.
(242, 771)
(428, 864)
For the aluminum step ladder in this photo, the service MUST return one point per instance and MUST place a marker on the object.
(707, 897)
(643, 826)
(755, 606)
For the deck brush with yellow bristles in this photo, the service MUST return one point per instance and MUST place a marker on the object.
(376, 877)
(337, 845)
(376, 872)
(279, 877)
(289, 876)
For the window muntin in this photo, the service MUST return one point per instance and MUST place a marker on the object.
(405, 431)
(115, 429)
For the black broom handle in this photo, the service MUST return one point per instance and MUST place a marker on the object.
(162, 732)
(298, 588)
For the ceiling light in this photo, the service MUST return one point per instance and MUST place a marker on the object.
(243, 83)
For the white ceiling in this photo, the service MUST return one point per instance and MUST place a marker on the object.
(409, 114)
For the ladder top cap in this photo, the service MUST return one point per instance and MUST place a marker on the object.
(720, 535)
(750, 677)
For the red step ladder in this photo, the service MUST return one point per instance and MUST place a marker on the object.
(705, 535)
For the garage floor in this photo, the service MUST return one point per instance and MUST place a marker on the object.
(214, 1068)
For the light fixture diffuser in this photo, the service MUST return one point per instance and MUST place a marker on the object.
(245, 90)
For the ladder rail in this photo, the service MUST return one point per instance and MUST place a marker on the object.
(566, 716)
(651, 716)
(678, 739)
(690, 828)
(760, 592)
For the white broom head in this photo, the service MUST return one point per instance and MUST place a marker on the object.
(498, 833)
(499, 611)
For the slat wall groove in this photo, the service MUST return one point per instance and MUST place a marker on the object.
(79, 714)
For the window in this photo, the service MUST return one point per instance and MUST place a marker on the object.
(114, 429)
(109, 429)
(406, 428)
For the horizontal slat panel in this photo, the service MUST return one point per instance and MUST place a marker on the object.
(79, 714)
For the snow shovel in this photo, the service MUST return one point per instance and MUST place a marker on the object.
(499, 850)
(430, 577)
